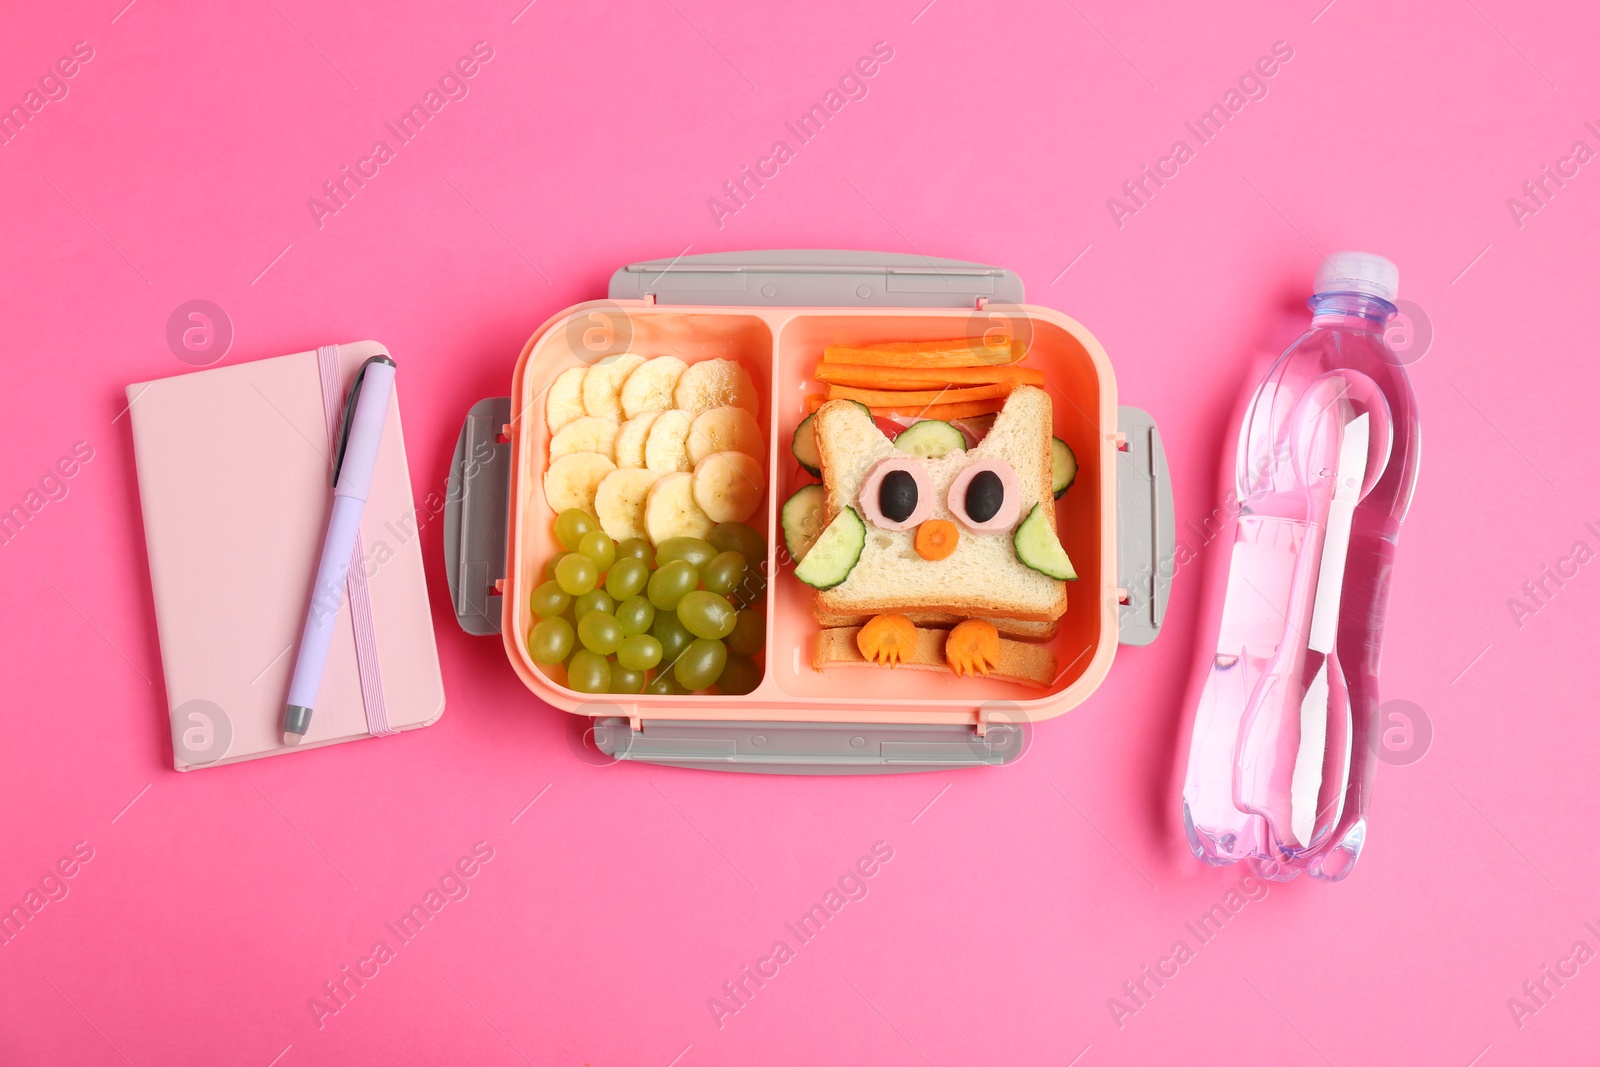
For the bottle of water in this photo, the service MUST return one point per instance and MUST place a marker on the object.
(1281, 758)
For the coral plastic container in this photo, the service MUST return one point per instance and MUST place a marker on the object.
(754, 308)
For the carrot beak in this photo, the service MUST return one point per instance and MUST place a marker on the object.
(936, 539)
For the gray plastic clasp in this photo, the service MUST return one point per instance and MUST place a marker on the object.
(1146, 528)
(813, 277)
(810, 747)
(476, 494)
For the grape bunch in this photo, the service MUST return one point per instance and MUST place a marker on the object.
(678, 618)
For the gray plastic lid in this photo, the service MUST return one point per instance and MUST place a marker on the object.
(815, 278)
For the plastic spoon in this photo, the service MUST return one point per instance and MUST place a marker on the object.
(1325, 709)
(1293, 749)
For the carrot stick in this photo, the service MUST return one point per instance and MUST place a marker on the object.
(869, 377)
(944, 411)
(965, 410)
(918, 398)
(925, 354)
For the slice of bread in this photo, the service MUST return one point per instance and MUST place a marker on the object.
(942, 620)
(1019, 660)
(983, 577)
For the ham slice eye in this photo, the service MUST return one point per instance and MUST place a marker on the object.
(897, 494)
(986, 496)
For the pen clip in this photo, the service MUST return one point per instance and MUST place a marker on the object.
(350, 413)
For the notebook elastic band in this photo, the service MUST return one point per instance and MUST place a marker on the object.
(356, 578)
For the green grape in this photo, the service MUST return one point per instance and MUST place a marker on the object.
(577, 574)
(550, 565)
(639, 653)
(706, 614)
(749, 634)
(588, 672)
(593, 600)
(599, 632)
(637, 548)
(671, 633)
(665, 685)
(550, 640)
(724, 573)
(740, 675)
(737, 537)
(626, 577)
(670, 581)
(571, 525)
(690, 549)
(750, 590)
(635, 615)
(548, 600)
(625, 681)
(700, 665)
(599, 547)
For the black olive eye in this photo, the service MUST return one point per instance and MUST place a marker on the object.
(985, 493)
(897, 495)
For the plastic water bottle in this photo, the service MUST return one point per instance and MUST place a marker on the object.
(1281, 758)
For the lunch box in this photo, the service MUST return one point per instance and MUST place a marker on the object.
(774, 312)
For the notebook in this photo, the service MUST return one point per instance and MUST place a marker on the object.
(235, 485)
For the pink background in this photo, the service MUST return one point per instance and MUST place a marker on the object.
(1017, 902)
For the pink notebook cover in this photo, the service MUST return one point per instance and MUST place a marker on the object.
(234, 482)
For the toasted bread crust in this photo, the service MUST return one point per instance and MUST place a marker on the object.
(936, 620)
(830, 602)
(1019, 661)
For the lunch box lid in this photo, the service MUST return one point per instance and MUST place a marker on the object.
(479, 485)
(815, 278)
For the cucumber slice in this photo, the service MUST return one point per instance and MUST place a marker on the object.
(1063, 466)
(930, 439)
(804, 446)
(802, 520)
(1038, 547)
(836, 552)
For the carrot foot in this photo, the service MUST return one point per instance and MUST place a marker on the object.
(973, 647)
(888, 640)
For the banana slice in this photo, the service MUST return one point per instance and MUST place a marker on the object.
(588, 434)
(666, 449)
(572, 480)
(629, 445)
(620, 501)
(671, 511)
(716, 383)
(603, 382)
(725, 429)
(563, 403)
(649, 387)
(728, 486)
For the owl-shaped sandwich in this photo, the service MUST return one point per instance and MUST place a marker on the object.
(962, 535)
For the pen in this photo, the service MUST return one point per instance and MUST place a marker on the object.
(365, 410)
